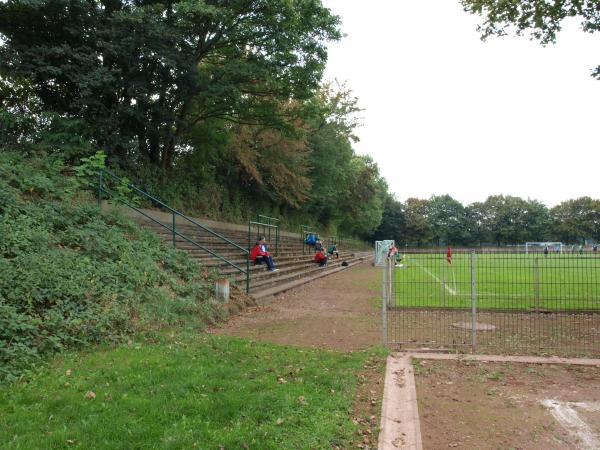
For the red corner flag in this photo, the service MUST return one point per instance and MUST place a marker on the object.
(449, 255)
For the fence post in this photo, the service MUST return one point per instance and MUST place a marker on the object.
(536, 282)
(473, 306)
(99, 187)
(443, 283)
(174, 232)
(248, 274)
(248, 259)
(277, 241)
(384, 301)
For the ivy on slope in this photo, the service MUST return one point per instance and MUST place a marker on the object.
(72, 276)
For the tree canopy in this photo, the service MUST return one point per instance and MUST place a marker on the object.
(216, 106)
(140, 74)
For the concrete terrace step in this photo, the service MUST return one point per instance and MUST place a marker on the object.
(204, 257)
(295, 266)
(262, 278)
(268, 292)
(276, 280)
(260, 272)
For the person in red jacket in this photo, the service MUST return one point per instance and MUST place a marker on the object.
(320, 258)
(449, 255)
(259, 254)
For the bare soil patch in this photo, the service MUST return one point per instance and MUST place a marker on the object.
(337, 312)
(500, 333)
(478, 405)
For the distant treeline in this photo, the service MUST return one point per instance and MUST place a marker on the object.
(500, 220)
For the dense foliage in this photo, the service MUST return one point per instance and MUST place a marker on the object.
(71, 275)
(140, 74)
(500, 220)
(216, 106)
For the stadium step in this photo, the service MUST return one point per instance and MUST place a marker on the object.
(295, 266)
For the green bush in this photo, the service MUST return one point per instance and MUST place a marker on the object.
(71, 275)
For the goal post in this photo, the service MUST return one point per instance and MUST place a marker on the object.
(538, 247)
(381, 252)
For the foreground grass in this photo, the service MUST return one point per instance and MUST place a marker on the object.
(503, 281)
(186, 391)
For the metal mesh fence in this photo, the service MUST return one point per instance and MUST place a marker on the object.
(494, 301)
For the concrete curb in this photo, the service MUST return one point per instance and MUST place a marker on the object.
(501, 358)
(400, 426)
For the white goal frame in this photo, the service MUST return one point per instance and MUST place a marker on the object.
(551, 246)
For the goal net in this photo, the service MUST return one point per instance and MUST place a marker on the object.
(540, 247)
(381, 251)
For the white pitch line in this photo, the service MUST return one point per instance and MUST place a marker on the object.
(564, 413)
(450, 290)
(590, 406)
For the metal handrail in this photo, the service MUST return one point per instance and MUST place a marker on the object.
(266, 225)
(304, 231)
(180, 214)
(267, 222)
(259, 216)
(102, 188)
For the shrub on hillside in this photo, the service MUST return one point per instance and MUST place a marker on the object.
(71, 275)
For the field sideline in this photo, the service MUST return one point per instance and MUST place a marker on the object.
(502, 281)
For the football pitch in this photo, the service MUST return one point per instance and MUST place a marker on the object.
(506, 281)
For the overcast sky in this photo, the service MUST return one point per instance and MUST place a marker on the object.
(448, 113)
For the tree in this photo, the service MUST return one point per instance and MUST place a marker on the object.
(478, 223)
(274, 162)
(577, 219)
(510, 220)
(362, 205)
(418, 230)
(393, 222)
(142, 73)
(447, 219)
(541, 18)
(331, 121)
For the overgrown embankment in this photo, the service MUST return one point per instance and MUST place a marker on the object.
(71, 275)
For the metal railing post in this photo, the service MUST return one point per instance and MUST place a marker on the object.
(473, 306)
(248, 258)
(174, 230)
(536, 282)
(384, 303)
(443, 283)
(277, 241)
(248, 274)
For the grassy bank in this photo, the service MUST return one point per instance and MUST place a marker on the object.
(72, 276)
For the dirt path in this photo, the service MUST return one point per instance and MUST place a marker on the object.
(338, 312)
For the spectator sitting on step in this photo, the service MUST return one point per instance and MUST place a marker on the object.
(332, 250)
(259, 254)
(319, 246)
(320, 258)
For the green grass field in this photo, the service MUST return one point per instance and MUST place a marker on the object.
(186, 391)
(502, 281)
